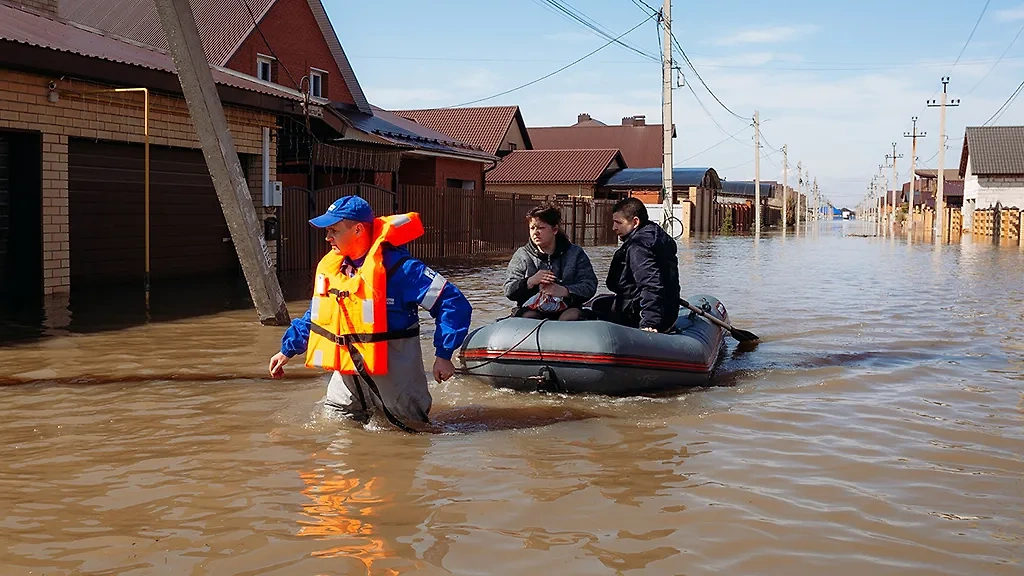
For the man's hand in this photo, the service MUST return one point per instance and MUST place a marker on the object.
(541, 277)
(277, 362)
(443, 369)
(649, 329)
(555, 290)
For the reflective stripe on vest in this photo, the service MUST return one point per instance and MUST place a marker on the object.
(349, 313)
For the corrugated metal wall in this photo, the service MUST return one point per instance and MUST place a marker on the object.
(189, 236)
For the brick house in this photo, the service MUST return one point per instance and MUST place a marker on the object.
(496, 130)
(639, 142)
(71, 156)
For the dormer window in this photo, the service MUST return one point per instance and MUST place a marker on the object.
(265, 68)
(317, 83)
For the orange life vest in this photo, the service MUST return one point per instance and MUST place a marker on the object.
(348, 315)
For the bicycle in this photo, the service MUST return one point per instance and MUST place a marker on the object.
(673, 227)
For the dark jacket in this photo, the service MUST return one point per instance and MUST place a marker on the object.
(644, 275)
(569, 263)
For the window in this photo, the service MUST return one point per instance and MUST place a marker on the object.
(264, 68)
(317, 83)
(457, 183)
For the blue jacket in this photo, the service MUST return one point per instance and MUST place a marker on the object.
(410, 285)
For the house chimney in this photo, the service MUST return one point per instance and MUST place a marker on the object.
(583, 117)
(639, 120)
(44, 7)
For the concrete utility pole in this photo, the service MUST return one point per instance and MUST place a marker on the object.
(785, 185)
(913, 164)
(666, 110)
(940, 199)
(799, 191)
(817, 201)
(207, 113)
(757, 173)
(892, 205)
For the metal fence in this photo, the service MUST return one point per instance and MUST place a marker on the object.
(458, 223)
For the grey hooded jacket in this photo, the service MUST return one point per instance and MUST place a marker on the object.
(569, 263)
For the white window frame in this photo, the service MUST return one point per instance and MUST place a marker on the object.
(262, 59)
(319, 74)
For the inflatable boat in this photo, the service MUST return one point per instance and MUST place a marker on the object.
(598, 357)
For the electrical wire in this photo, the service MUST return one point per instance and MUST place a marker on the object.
(566, 9)
(549, 75)
(298, 85)
(982, 79)
(697, 74)
(1005, 106)
(712, 147)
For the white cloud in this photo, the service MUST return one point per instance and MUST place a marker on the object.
(1010, 14)
(766, 35)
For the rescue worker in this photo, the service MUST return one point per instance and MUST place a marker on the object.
(363, 324)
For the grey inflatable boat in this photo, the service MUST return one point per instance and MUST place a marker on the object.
(598, 357)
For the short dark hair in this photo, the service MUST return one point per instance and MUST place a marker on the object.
(546, 213)
(631, 207)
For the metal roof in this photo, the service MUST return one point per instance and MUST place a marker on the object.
(651, 178)
(405, 132)
(640, 145)
(42, 32)
(554, 166)
(745, 188)
(483, 126)
(994, 150)
(223, 26)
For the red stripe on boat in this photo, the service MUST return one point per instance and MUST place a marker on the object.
(631, 361)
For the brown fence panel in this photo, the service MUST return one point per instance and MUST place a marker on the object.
(294, 252)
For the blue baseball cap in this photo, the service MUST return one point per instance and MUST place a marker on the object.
(345, 208)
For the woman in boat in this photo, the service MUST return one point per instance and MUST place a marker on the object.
(549, 277)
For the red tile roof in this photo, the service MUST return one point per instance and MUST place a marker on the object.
(42, 32)
(640, 145)
(554, 166)
(223, 25)
(484, 127)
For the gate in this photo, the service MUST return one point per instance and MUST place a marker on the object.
(301, 246)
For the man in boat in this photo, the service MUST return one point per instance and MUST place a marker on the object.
(644, 273)
(363, 325)
(549, 277)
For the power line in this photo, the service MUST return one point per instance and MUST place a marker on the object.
(256, 25)
(562, 69)
(982, 79)
(562, 7)
(1005, 105)
(712, 147)
(705, 84)
(973, 30)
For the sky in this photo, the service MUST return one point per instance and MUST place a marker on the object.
(837, 82)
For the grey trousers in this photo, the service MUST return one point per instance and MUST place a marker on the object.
(404, 388)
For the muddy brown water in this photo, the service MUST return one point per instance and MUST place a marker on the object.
(879, 428)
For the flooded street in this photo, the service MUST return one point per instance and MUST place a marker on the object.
(878, 427)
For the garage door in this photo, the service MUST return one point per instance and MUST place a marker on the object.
(5, 209)
(188, 234)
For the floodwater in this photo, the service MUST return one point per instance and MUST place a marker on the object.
(878, 428)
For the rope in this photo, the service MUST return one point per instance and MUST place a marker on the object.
(536, 330)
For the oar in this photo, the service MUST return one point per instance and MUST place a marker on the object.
(740, 335)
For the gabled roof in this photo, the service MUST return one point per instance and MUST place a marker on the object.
(223, 27)
(405, 132)
(651, 178)
(42, 32)
(554, 166)
(641, 146)
(993, 150)
(483, 126)
(930, 173)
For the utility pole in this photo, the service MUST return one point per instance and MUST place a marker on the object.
(785, 184)
(799, 191)
(666, 112)
(817, 201)
(211, 127)
(757, 173)
(892, 205)
(940, 199)
(913, 162)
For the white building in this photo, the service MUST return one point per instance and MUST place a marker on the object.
(992, 166)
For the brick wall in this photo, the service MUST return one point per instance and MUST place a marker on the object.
(78, 113)
(459, 169)
(292, 31)
(417, 171)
